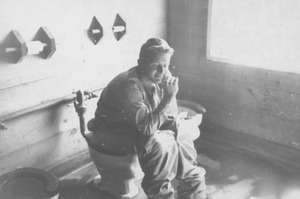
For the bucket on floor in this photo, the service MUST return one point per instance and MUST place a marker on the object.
(25, 183)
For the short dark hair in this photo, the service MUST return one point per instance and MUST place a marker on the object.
(155, 45)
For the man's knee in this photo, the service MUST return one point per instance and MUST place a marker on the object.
(164, 143)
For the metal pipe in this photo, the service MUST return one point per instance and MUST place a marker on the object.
(52, 103)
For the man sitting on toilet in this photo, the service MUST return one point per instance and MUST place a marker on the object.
(142, 102)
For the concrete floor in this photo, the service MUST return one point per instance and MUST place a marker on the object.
(230, 174)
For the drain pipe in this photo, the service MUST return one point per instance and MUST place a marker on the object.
(81, 109)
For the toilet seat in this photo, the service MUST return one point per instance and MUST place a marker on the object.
(28, 183)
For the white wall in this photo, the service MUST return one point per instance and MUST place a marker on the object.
(49, 136)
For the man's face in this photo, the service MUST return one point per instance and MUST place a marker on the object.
(156, 66)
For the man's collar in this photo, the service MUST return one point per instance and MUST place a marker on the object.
(148, 84)
(145, 82)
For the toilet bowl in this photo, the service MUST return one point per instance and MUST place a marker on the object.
(117, 163)
(30, 183)
(119, 175)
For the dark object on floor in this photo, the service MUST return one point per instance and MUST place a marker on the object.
(30, 183)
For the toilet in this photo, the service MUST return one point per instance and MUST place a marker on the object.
(114, 154)
(117, 163)
(25, 183)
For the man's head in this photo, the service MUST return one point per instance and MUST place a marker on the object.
(154, 59)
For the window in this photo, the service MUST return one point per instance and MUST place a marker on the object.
(256, 33)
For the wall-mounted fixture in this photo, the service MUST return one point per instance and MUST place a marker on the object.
(95, 31)
(13, 48)
(119, 27)
(43, 44)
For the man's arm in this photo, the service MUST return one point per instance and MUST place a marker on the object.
(170, 88)
(168, 104)
(146, 121)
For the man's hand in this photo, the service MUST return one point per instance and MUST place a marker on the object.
(170, 85)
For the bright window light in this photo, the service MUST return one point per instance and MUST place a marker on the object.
(256, 33)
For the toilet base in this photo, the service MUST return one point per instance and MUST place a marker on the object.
(119, 175)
